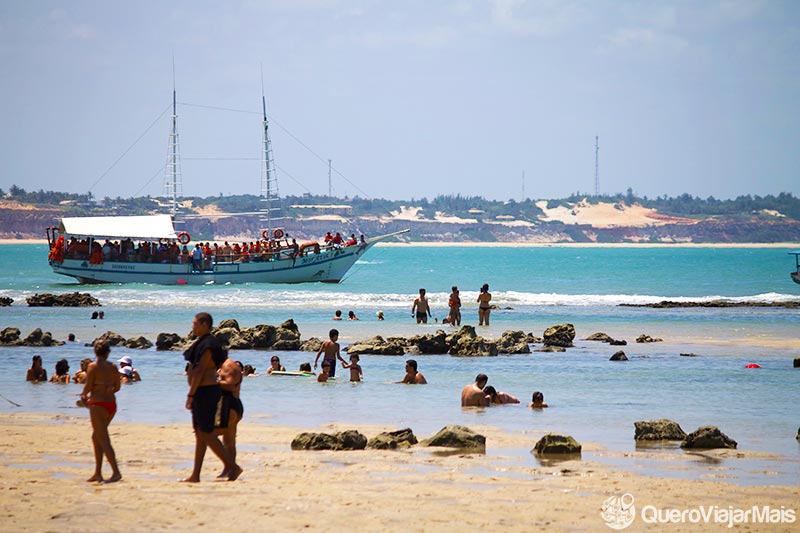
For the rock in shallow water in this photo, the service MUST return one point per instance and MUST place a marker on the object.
(561, 444)
(661, 429)
(457, 437)
(708, 437)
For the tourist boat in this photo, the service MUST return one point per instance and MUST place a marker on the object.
(147, 249)
(796, 273)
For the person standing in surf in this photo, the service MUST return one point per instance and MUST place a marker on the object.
(484, 307)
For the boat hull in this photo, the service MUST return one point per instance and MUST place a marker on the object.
(795, 276)
(327, 266)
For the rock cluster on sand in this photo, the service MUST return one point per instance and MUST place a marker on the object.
(619, 356)
(559, 335)
(11, 337)
(603, 337)
(391, 440)
(5, 301)
(260, 337)
(708, 437)
(74, 299)
(648, 338)
(460, 437)
(661, 429)
(561, 444)
(344, 440)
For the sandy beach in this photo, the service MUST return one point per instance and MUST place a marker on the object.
(45, 459)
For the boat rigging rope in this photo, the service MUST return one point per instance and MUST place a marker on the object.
(139, 138)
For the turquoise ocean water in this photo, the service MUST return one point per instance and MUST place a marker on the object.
(593, 399)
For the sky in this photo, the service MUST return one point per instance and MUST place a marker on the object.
(500, 98)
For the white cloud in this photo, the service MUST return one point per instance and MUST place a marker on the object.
(647, 39)
(542, 18)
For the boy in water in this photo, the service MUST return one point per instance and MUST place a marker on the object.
(331, 350)
(326, 371)
(355, 369)
(537, 401)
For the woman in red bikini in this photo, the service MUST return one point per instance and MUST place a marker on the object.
(102, 381)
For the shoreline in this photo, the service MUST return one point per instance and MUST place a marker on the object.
(532, 244)
(50, 456)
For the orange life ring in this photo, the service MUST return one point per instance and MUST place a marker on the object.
(265, 234)
(278, 233)
(184, 238)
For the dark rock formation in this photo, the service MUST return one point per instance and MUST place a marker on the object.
(377, 345)
(559, 335)
(345, 440)
(648, 338)
(602, 337)
(5, 301)
(10, 337)
(168, 341)
(457, 437)
(262, 336)
(113, 339)
(430, 343)
(75, 299)
(661, 429)
(513, 342)
(619, 356)
(561, 444)
(797, 362)
(37, 338)
(620, 342)
(138, 343)
(533, 339)
(311, 345)
(229, 323)
(547, 348)
(287, 337)
(391, 440)
(466, 343)
(708, 437)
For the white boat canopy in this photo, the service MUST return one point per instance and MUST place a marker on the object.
(136, 227)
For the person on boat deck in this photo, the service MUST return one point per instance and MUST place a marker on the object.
(352, 241)
(328, 239)
(337, 239)
(363, 239)
(295, 248)
(197, 257)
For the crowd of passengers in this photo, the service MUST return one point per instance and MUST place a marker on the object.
(165, 251)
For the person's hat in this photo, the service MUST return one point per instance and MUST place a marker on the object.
(125, 360)
(128, 371)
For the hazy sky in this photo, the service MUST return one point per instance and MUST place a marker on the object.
(409, 99)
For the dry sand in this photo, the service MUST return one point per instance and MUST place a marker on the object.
(45, 459)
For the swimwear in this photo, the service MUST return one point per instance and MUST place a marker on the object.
(110, 407)
(485, 308)
(227, 403)
(332, 371)
(421, 316)
(204, 407)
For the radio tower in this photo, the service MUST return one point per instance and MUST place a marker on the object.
(596, 165)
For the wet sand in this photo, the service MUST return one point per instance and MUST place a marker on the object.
(46, 458)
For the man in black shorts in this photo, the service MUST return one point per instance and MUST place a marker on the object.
(205, 357)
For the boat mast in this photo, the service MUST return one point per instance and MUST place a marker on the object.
(173, 188)
(269, 182)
